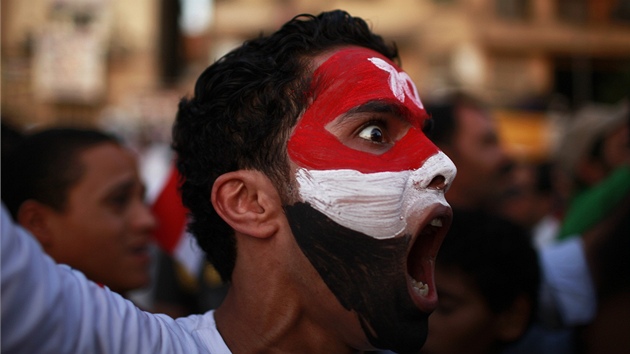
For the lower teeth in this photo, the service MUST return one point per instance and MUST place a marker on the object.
(420, 287)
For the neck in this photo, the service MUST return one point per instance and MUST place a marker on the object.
(251, 321)
(268, 310)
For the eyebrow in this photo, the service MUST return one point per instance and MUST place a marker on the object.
(377, 106)
(125, 186)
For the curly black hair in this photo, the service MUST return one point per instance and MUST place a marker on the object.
(243, 109)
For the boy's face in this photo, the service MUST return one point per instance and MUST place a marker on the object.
(105, 227)
(372, 212)
(463, 322)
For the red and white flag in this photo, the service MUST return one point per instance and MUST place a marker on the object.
(172, 217)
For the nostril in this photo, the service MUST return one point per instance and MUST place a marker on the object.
(438, 182)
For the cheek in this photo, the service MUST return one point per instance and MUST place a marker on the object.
(379, 204)
(108, 229)
(357, 201)
(468, 146)
(473, 161)
(83, 222)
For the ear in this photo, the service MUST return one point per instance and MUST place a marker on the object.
(248, 202)
(513, 322)
(34, 216)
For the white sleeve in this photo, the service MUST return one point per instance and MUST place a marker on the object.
(49, 308)
(567, 282)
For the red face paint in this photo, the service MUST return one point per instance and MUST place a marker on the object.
(349, 79)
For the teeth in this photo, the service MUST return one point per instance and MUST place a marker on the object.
(420, 287)
(436, 222)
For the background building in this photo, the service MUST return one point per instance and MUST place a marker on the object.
(126, 63)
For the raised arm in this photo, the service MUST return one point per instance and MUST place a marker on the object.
(50, 308)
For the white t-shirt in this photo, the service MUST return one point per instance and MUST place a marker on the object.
(50, 308)
(567, 288)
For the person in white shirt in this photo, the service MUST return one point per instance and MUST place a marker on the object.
(79, 192)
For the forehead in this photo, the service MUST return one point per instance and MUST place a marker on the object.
(105, 164)
(348, 77)
(106, 154)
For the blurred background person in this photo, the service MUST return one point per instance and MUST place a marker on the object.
(610, 266)
(185, 282)
(179, 292)
(487, 277)
(532, 200)
(11, 136)
(79, 193)
(577, 189)
(488, 177)
(465, 131)
(591, 179)
(593, 164)
(594, 158)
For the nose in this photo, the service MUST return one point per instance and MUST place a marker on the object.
(437, 173)
(143, 218)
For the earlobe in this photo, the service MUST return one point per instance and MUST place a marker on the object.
(248, 202)
(33, 216)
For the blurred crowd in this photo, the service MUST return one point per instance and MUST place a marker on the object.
(573, 208)
(537, 259)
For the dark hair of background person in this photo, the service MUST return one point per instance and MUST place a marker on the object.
(11, 136)
(610, 267)
(496, 254)
(443, 112)
(612, 255)
(243, 109)
(45, 165)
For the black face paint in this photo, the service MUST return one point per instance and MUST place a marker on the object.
(367, 275)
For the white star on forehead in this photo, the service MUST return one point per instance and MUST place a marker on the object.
(399, 82)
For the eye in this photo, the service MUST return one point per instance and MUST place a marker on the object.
(373, 133)
(120, 200)
(447, 306)
(120, 197)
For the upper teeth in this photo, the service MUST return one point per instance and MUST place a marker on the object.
(436, 222)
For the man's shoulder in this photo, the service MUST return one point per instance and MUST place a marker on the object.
(204, 329)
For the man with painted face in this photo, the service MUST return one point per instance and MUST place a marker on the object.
(317, 185)
(314, 192)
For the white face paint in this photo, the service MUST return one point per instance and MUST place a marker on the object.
(376, 204)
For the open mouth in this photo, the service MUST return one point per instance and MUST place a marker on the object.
(140, 252)
(421, 258)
